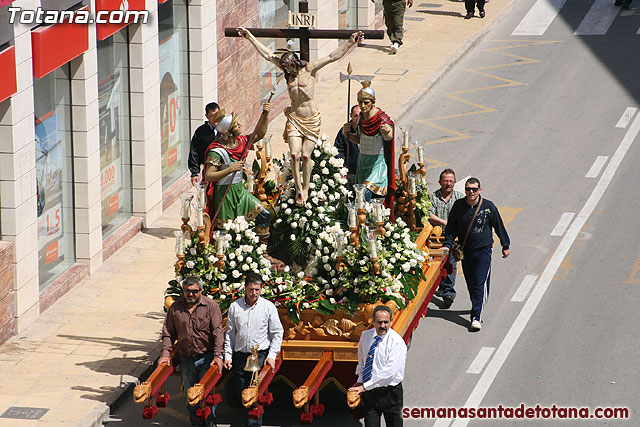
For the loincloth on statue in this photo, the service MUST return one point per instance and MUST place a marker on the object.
(303, 127)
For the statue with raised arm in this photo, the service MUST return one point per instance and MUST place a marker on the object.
(302, 130)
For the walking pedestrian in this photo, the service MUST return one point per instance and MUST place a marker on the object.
(471, 220)
(381, 359)
(196, 322)
(393, 20)
(470, 5)
(442, 201)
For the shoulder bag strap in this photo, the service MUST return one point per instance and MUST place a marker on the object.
(471, 223)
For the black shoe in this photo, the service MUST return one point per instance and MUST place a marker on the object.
(438, 293)
(448, 301)
(625, 6)
(482, 14)
(618, 2)
(468, 15)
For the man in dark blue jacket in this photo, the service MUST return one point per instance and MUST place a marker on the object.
(202, 137)
(347, 149)
(476, 263)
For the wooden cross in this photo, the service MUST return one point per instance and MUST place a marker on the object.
(304, 33)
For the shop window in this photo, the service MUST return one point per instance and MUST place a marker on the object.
(174, 89)
(115, 134)
(54, 173)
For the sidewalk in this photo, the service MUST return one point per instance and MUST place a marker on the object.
(88, 348)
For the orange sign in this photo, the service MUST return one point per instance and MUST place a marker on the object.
(114, 204)
(52, 252)
(172, 156)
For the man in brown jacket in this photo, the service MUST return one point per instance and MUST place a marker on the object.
(196, 322)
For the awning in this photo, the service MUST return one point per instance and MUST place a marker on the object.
(8, 64)
(57, 44)
(105, 30)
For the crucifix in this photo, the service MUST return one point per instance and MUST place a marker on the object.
(305, 34)
(302, 130)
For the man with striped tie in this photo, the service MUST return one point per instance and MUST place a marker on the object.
(381, 359)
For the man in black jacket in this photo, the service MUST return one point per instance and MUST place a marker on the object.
(202, 137)
(476, 263)
(347, 149)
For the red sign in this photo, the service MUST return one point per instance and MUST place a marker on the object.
(8, 84)
(172, 156)
(52, 252)
(57, 44)
(5, 2)
(114, 204)
(105, 30)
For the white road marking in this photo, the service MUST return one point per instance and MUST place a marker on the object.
(598, 19)
(597, 165)
(523, 289)
(562, 224)
(550, 270)
(638, 31)
(460, 184)
(539, 17)
(481, 359)
(626, 117)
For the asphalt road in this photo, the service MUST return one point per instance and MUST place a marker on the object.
(529, 115)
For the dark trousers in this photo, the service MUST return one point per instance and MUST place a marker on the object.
(386, 401)
(476, 266)
(193, 369)
(393, 18)
(242, 379)
(470, 5)
(447, 285)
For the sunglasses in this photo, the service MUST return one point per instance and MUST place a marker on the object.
(471, 189)
(191, 292)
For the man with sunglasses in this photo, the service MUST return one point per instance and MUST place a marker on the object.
(196, 322)
(480, 216)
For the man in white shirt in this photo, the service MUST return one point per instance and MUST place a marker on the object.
(251, 320)
(381, 359)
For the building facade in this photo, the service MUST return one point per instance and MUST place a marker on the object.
(96, 119)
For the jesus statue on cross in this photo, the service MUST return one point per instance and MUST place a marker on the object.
(302, 130)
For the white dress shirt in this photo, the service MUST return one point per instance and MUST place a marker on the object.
(247, 325)
(388, 362)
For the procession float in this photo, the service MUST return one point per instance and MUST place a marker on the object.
(328, 259)
(327, 265)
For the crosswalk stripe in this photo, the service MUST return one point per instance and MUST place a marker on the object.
(539, 17)
(598, 19)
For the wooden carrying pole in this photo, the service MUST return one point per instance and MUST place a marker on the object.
(302, 395)
(202, 388)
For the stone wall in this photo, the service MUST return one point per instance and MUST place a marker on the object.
(238, 62)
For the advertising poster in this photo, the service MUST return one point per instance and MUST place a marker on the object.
(170, 104)
(49, 163)
(110, 105)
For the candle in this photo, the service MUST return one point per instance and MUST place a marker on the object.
(412, 185)
(200, 217)
(181, 244)
(267, 147)
(421, 154)
(219, 243)
(202, 195)
(250, 182)
(405, 139)
(339, 244)
(377, 211)
(186, 207)
(373, 250)
(352, 218)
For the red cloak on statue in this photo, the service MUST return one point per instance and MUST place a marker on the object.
(238, 152)
(371, 127)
